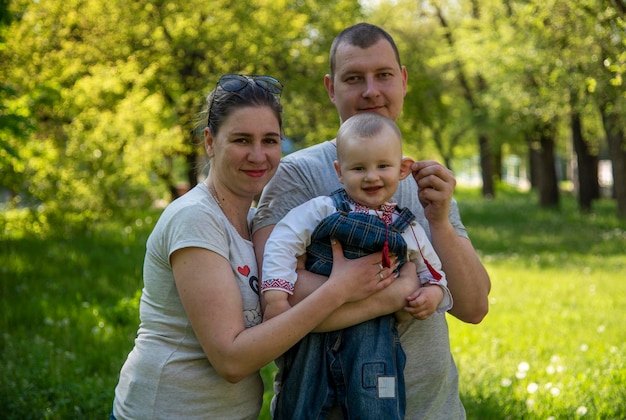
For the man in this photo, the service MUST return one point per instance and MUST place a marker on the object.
(366, 76)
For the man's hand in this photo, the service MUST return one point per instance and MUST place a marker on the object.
(436, 185)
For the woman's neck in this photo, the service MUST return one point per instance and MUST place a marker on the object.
(234, 207)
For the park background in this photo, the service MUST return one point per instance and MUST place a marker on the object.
(524, 100)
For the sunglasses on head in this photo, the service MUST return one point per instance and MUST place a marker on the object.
(236, 82)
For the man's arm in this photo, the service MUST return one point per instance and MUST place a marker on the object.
(468, 280)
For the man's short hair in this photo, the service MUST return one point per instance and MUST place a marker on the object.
(362, 35)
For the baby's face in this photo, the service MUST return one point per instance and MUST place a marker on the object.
(370, 168)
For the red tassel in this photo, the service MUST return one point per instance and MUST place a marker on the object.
(436, 274)
(386, 261)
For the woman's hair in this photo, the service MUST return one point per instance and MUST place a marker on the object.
(220, 103)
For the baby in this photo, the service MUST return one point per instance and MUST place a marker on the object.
(364, 218)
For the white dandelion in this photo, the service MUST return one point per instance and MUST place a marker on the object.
(532, 388)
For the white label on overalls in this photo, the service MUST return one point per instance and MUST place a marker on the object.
(386, 387)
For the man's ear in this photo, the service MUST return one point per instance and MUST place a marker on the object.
(338, 170)
(405, 79)
(330, 87)
(208, 142)
(405, 167)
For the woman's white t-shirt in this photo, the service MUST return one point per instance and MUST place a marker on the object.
(167, 375)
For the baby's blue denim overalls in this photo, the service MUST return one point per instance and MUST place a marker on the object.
(359, 368)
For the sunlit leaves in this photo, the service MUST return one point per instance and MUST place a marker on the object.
(112, 90)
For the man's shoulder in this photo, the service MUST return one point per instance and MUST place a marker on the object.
(316, 154)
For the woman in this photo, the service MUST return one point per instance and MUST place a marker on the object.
(201, 343)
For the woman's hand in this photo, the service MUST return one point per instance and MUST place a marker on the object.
(359, 278)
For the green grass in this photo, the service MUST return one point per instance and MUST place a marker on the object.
(552, 346)
(554, 342)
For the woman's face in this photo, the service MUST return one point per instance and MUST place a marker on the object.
(246, 150)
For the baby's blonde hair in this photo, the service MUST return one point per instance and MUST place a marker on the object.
(364, 125)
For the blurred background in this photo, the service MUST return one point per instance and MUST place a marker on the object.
(99, 99)
(523, 99)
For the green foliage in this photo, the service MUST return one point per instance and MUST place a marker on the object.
(12, 124)
(112, 90)
(98, 99)
(516, 63)
(551, 346)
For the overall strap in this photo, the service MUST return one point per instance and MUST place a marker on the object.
(404, 220)
(340, 200)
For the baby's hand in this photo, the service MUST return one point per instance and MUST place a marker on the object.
(424, 302)
(274, 309)
(276, 303)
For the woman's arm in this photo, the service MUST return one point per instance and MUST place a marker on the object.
(212, 300)
(387, 301)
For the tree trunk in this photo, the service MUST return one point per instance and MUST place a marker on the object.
(497, 163)
(588, 185)
(534, 161)
(617, 152)
(548, 182)
(192, 167)
(486, 161)
(441, 148)
(486, 165)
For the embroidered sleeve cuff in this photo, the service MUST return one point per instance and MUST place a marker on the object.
(277, 284)
(446, 303)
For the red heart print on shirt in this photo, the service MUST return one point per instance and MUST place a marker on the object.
(245, 270)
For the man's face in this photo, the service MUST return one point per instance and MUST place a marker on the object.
(367, 80)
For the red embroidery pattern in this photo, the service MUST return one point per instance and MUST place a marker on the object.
(387, 209)
(244, 271)
(277, 284)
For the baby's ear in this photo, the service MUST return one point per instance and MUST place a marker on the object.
(405, 167)
(338, 170)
